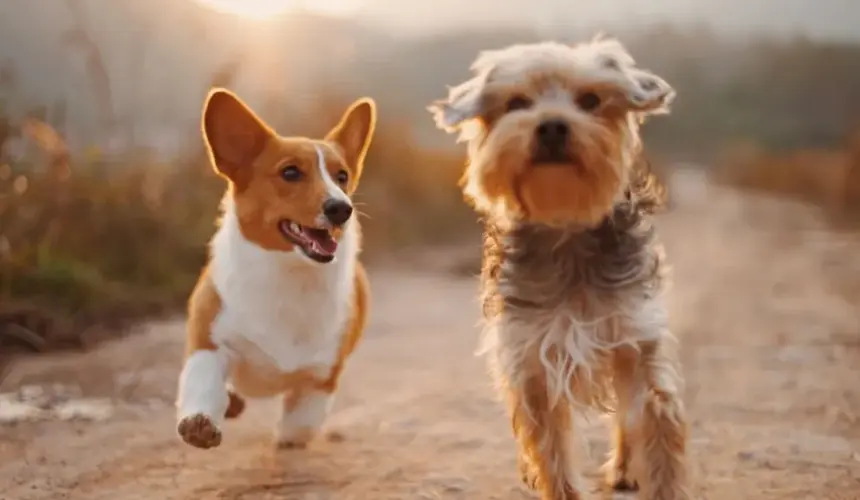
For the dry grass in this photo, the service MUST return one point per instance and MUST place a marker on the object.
(90, 242)
(829, 178)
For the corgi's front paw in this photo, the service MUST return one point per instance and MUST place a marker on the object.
(296, 439)
(199, 431)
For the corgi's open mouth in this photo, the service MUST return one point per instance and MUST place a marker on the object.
(316, 243)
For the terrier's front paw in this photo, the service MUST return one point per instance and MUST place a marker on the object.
(623, 485)
(527, 473)
(199, 431)
(618, 478)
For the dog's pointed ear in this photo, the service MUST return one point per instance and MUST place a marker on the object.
(234, 135)
(354, 132)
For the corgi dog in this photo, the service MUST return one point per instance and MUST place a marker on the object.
(283, 301)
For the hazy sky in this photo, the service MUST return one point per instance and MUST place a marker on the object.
(159, 65)
(820, 18)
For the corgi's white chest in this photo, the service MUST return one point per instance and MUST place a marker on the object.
(292, 327)
(278, 309)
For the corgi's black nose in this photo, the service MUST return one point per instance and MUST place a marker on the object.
(337, 211)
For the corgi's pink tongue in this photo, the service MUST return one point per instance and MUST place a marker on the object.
(322, 240)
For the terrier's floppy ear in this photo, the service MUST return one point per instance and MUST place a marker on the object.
(465, 101)
(648, 93)
(642, 90)
(233, 134)
(611, 53)
(354, 132)
(462, 104)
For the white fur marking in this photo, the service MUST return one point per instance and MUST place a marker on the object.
(305, 419)
(333, 190)
(280, 309)
(201, 386)
(575, 353)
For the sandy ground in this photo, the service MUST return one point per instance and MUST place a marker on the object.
(770, 344)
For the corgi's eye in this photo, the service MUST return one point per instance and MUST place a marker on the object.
(291, 173)
(342, 177)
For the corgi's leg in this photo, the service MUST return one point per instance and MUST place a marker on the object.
(202, 402)
(304, 408)
(302, 414)
(236, 405)
(203, 399)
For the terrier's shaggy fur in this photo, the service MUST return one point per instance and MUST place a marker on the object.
(573, 274)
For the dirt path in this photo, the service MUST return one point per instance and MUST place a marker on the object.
(771, 350)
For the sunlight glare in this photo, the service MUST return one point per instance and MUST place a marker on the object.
(265, 9)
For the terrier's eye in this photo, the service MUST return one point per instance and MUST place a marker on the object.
(342, 177)
(517, 103)
(291, 173)
(588, 101)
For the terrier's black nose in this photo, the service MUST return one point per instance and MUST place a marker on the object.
(551, 142)
(337, 211)
(553, 134)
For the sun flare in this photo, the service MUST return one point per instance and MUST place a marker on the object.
(265, 9)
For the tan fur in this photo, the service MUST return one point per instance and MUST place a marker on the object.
(542, 431)
(573, 275)
(354, 331)
(257, 382)
(203, 306)
(251, 156)
(241, 138)
(498, 173)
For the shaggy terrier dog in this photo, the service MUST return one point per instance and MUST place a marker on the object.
(573, 274)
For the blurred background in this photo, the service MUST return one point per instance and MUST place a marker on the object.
(106, 200)
(107, 204)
